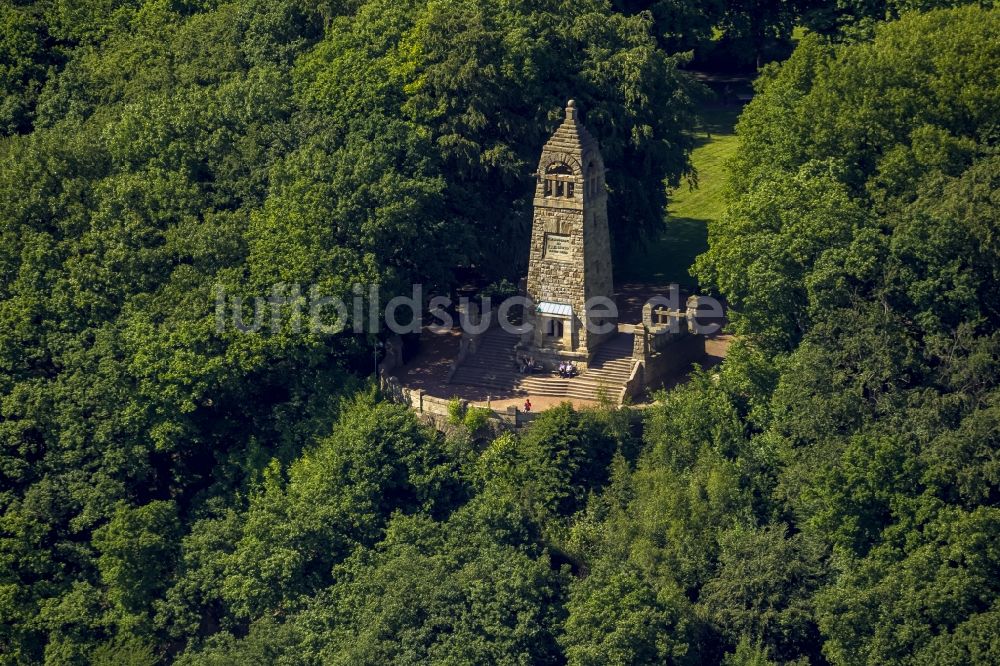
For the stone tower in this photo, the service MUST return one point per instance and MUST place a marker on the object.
(570, 260)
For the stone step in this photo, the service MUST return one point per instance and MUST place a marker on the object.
(617, 372)
(612, 355)
(491, 352)
(572, 393)
(621, 341)
(589, 385)
(576, 383)
(488, 343)
(610, 369)
(615, 348)
(624, 363)
(581, 388)
(493, 367)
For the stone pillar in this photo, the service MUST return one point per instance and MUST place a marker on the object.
(640, 347)
(692, 314)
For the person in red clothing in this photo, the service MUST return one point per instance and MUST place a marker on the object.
(527, 405)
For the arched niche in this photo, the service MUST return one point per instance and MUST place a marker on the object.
(560, 176)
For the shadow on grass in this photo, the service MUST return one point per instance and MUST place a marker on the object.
(669, 258)
(716, 121)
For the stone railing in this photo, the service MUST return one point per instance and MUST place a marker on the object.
(635, 384)
(438, 410)
(669, 327)
(665, 345)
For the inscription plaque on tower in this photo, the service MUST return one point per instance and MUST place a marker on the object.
(557, 246)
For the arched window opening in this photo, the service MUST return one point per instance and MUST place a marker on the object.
(554, 329)
(592, 185)
(559, 181)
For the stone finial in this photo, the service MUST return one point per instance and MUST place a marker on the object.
(571, 110)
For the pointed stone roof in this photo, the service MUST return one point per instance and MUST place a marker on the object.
(571, 137)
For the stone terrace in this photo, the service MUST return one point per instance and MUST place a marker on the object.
(493, 368)
(490, 375)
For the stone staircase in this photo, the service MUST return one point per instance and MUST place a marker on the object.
(493, 367)
(607, 374)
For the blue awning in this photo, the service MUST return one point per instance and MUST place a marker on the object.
(558, 309)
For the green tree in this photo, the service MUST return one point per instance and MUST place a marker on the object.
(762, 590)
(616, 616)
(338, 496)
(137, 552)
(430, 592)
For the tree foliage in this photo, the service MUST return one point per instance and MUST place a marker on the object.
(172, 490)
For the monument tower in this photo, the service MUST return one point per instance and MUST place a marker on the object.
(570, 260)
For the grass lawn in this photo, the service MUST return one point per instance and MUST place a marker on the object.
(669, 257)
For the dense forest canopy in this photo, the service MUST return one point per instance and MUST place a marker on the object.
(172, 492)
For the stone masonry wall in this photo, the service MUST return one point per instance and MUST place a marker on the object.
(558, 280)
(584, 270)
